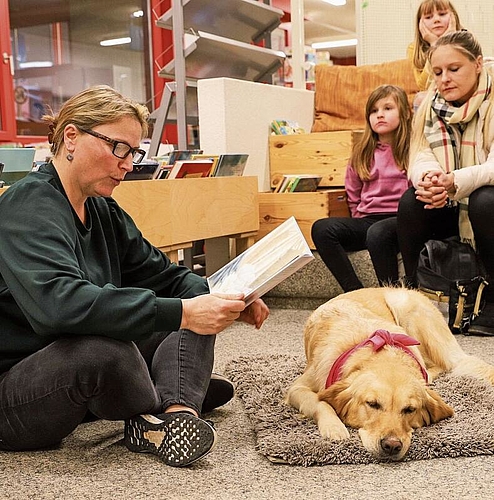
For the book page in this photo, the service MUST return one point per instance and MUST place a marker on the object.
(265, 264)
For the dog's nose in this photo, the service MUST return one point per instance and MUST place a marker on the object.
(391, 445)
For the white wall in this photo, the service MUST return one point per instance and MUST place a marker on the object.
(386, 27)
(235, 117)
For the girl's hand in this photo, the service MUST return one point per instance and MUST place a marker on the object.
(452, 25)
(429, 36)
(426, 33)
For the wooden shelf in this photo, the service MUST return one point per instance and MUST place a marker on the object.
(276, 208)
(173, 213)
(322, 153)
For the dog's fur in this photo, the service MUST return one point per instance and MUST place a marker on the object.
(383, 394)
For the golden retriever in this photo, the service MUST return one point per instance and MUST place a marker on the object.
(381, 390)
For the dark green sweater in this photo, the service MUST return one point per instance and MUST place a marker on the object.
(59, 277)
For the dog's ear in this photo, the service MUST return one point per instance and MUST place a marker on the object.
(434, 409)
(338, 396)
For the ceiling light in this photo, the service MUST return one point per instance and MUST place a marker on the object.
(115, 41)
(337, 3)
(35, 64)
(334, 44)
(138, 13)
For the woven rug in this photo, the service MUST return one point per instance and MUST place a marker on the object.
(284, 436)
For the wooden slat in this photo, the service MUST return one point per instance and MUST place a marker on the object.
(175, 211)
(305, 207)
(322, 153)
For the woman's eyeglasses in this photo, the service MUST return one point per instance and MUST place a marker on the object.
(120, 149)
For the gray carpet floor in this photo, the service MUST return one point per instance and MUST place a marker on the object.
(93, 463)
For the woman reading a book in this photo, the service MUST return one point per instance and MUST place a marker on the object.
(375, 179)
(96, 322)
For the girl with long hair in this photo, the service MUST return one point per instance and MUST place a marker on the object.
(375, 179)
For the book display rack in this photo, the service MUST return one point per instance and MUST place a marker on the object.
(213, 38)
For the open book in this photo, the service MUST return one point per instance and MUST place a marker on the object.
(265, 264)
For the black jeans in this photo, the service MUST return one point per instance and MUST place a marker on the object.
(44, 397)
(335, 236)
(416, 225)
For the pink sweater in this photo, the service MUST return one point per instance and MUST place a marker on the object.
(381, 194)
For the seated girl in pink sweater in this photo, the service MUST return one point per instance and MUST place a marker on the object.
(376, 177)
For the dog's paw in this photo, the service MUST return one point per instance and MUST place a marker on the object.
(336, 431)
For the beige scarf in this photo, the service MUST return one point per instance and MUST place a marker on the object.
(451, 134)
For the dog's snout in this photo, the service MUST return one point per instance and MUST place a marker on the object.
(391, 445)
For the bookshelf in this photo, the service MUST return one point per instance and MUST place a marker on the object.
(244, 20)
(213, 38)
(275, 208)
(211, 56)
(321, 153)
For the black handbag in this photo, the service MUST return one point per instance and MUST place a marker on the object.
(451, 274)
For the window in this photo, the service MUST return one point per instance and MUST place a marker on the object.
(60, 47)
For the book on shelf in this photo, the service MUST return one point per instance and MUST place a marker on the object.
(306, 183)
(203, 156)
(182, 154)
(282, 182)
(145, 170)
(298, 183)
(265, 264)
(230, 164)
(190, 168)
(286, 127)
(163, 172)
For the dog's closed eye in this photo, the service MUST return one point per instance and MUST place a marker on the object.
(374, 405)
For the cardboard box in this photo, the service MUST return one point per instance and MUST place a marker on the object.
(322, 153)
(274, 209)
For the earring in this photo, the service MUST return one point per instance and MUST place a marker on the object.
(70, 156)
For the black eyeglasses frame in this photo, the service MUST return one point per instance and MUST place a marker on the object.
(115, 144)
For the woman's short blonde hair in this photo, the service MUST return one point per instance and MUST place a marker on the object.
(93, 106)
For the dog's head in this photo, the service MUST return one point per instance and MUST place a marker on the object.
(385, 403)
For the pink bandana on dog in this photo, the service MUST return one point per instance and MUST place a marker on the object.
(377, 340)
